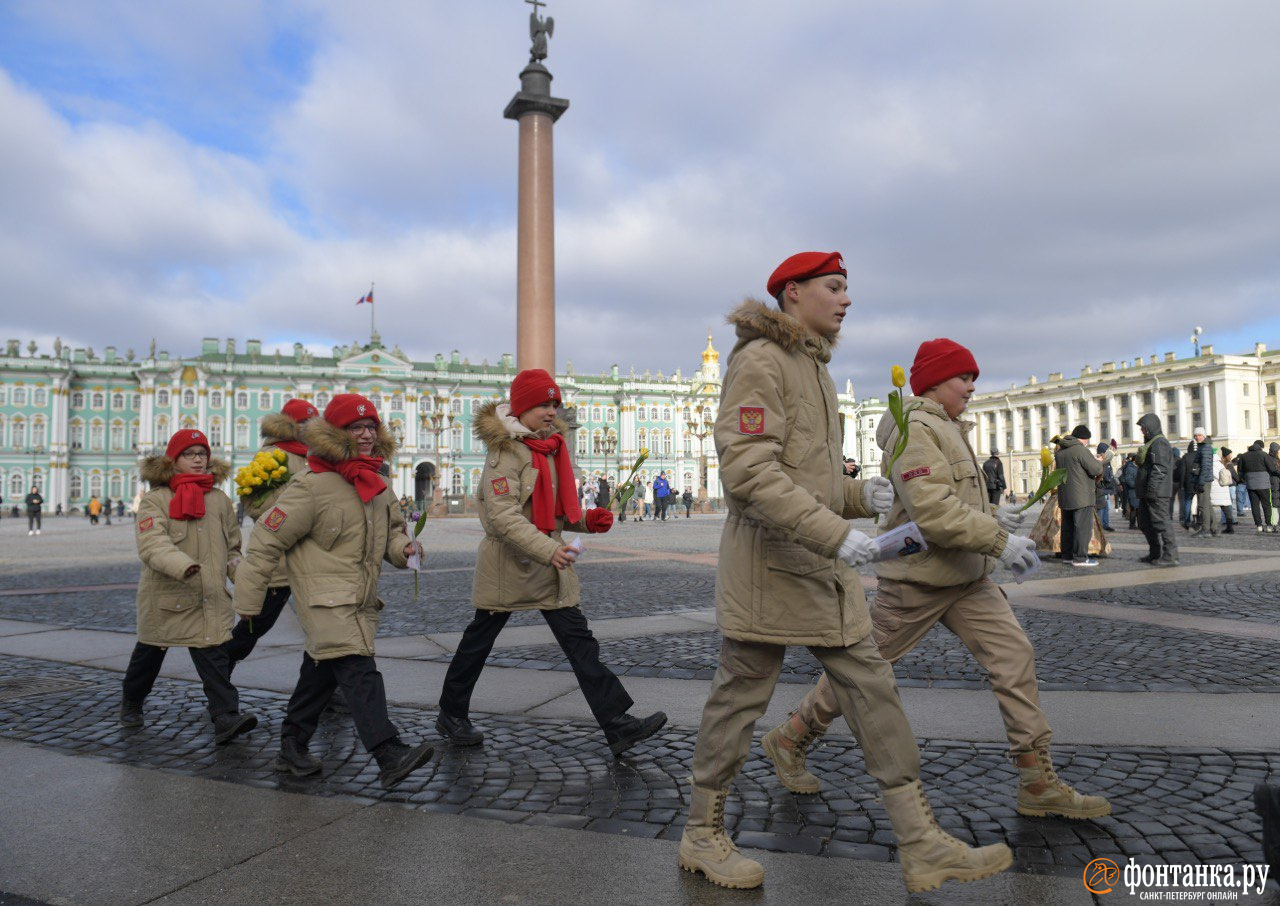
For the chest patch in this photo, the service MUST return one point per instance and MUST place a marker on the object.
(750, 419)
(500, 487)
(916, 473)
(275, 519)
(146, 524)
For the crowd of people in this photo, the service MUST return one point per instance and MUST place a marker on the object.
(651, 500)
(787, 573)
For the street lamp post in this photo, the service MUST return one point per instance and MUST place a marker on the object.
(699, 426)
(35, 452)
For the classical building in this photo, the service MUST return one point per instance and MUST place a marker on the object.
(1233, 396)
(76, 423)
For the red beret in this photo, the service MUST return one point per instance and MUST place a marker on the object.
(806, 266)
(299, 410)
(532, 387)
(940, 360)
(346, 408)
(181, 440)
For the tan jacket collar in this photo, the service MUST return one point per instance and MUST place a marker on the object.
(753, 320)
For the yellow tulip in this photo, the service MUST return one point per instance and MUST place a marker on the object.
(280, 455)
(898, 376)
(244, 492)
(644, 451)
(255, 481)
(279, 473)
(1046, 458)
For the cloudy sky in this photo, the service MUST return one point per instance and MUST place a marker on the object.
(1050, 183)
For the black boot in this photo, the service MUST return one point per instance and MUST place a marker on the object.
(1149, 558)
(227, 727)
(458, 730)
(131, 713)
(397, 761)
(625, 731)
(295, 759)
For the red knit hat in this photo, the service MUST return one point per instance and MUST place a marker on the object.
(187, 437)
(346, 408)
(940, 360)
(806, 266)
(532, 387)
(299, 410)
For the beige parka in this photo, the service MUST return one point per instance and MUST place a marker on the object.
(333, 545)
(779, 442)
(513, 565)
(174, 611)
(276, 428)
(938, 483)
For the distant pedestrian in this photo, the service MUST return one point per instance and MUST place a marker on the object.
(34, 502)
(851, 468)
(1105, 487)
(1155, 491)
(993, 476)
(648, 500)
(1222, 495)
(95, 509)
(1200, 480)
(687, 499)
(1256, 467)
(602, 493)
(106, 509)
(1076, 495)
(661, 491)
(1129, 481)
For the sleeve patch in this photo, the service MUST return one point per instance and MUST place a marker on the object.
(750, 419)
(500, 487)
(916, 473)
(146, 524)
(275, 519)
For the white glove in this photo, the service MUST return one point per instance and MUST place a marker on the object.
(877, 495)
(1019, 555)
(1010, 517)
(857, 549)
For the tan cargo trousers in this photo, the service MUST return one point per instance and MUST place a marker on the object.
(861, 684)
(980, 616)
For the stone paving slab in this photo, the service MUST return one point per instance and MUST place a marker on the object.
(1172, 805)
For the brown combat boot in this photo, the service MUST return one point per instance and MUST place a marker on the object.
(787, 746)
(705, 846)
(929, 855)
(1041, 793)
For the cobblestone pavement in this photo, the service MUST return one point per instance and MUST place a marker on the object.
(1251, 597)
(1170, 806)
(1121, 657)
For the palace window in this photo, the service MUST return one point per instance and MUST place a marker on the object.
(76, 490)
(97, 434)
(188, 398)
(40, 397)
(162, 430)
(77, 400)
(76, 434)
(19, 434)
(666, 442)
(162, 398)
(17, 487)
(242, 399)
(582, 443)
(37, 433)
(19, 396)
(264, 400)
(215, 432)
(117, 401)
(117, 435)
(242, 433)
(98, 400)
(611, 415)
(455, 406)
(215, 399)
(322, 399)
(597, 414)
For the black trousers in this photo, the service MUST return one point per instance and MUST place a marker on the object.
(1077, 531)
(33, 520)
(246, 633)
(1154, 521)
(1260, 503)
(603, 691)
(362, 686)
(660, 504)
(993, 495)
(213, 665)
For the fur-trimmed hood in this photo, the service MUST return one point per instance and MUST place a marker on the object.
(498, 429)
(159, 470)
(333, 444)
(754, 320)
(277, 427)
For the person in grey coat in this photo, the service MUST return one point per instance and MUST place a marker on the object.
(1154, 488)
(1256, 468)
(1076, 496)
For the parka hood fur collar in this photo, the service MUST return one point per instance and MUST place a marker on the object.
(277, 427)
(333, 444)
(159, 470)
(498, 429)
(888, 428)
(753, 320)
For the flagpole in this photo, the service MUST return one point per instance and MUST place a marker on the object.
(372, 330)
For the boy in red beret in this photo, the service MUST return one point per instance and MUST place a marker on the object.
(787, 577)
(939, 485)
(334, 525)
(527, 499)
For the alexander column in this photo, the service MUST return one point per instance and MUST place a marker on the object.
(536, 111)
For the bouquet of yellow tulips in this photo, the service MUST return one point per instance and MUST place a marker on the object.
(265, 472)
(622, 493)
(1050, 477)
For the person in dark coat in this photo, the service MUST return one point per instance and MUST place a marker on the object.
(602, 494)
(1154, 488)
(993, 474)
(687, 499)
(1129, 480)
(1076, 495)
(1256, 468)
(1105, 487)
(1273, 454)
(34, 502)
(1199, 480)
(1176, 500)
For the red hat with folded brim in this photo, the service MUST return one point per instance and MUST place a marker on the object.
(532, 387)
(183, 440)
(299, 410)
(346, 408)
(805, 266)
(940, 360)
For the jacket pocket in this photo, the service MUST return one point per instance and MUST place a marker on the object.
(328, 528)
(800, 434)
(795, 559)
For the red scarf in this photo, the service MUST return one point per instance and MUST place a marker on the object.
(188, 495)
(296, 447)
(362, 472)
(547, 504)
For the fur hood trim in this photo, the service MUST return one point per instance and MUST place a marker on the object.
(498, 429)
(333, 444)
(277, 427)
(753, 320)
(159, 470)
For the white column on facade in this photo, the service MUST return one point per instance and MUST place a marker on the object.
(1206, 407)
(1183, 414)
(411, 419)
(1001, 445)
(1033, 423)
(202, 403)
(1134, 415)
(147, 419)
(1091, 414)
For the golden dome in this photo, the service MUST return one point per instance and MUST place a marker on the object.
(709, 354)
